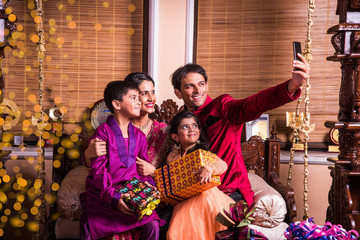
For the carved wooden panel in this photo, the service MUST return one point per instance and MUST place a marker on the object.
(253, 152)
(168, 110)
(355, 4)
(344, 194)
(346, 94)
(337, 42)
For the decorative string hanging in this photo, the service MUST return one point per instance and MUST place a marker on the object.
(42, 120)
(303, 125)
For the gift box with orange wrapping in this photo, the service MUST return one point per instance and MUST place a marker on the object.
(143, 199)
(177, 182)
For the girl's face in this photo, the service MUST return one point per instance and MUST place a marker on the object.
(188, 132)
(147, 96)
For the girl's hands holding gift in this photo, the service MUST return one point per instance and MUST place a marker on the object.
(122, 205)
(144, 168)
(205, 174)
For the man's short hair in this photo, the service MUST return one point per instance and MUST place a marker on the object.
(116, 90)
(181, 73)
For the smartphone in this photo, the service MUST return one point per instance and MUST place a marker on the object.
(296, 50)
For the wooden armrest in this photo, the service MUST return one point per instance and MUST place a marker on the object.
(253, 153)
(287, 193)
(263, 158)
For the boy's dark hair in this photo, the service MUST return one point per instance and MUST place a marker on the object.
(115, 90)
(138, 77)
(203, 143)
(181, 73)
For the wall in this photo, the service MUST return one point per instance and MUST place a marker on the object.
(172, 22)
(319, 182)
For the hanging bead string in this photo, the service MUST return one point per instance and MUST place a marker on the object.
(295, 125)
(306, 128)
(303, 125)
(42, 123)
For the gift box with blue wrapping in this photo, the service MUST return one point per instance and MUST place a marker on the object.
(143, 199)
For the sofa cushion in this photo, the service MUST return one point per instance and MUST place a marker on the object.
(270, 205)
(66, 229)
(273, 233)
(68, 196)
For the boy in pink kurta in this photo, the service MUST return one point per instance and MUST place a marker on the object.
(106, 212)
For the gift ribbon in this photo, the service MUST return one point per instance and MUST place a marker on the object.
(309, 230)
(170, 195)
(150, 206)
(127, 159)
(149, 209)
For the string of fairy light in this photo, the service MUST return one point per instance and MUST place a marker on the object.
(27, 49)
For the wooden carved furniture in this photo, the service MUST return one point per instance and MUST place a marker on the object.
(344, 194)
(261, 157)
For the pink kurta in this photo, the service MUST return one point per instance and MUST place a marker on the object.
(223, 119)
(108, 173)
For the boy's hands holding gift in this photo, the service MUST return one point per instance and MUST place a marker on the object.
(122, 205)
(151, 186)
(205, 174)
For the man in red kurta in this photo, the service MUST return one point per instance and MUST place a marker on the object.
(223, 117)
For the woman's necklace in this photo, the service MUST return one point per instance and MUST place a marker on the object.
(143, 126)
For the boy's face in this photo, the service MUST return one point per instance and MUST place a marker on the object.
(130, 106)
(194, 90)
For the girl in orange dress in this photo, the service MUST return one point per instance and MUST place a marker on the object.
(195, 217)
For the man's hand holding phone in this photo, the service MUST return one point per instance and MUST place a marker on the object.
(301, 69)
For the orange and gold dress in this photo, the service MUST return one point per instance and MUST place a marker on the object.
(195, 217)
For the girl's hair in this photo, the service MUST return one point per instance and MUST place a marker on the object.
(138, 78)
(203, 143)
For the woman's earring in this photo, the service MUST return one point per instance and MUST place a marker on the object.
(177, 145)
(198, 141)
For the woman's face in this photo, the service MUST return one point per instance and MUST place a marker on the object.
(147, 96)
(188, 132)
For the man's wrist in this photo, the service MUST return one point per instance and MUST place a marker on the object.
(291, 88)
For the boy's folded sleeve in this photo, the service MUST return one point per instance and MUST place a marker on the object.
(102, 179)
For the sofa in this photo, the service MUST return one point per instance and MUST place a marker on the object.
(275, 203)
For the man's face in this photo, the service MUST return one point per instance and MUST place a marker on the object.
(193, 91)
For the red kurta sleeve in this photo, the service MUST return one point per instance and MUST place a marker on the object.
(251, 108)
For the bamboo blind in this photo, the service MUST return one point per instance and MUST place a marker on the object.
(245, 46)
(88, 44)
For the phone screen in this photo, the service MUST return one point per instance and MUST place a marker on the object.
(296, 49)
